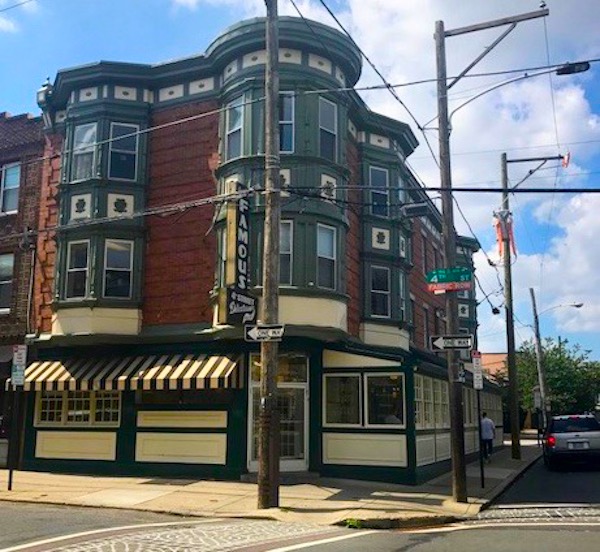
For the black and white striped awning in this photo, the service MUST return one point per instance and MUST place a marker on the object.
(146, 372)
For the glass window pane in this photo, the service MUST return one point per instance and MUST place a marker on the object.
(286, 107)
(326, 242)
(117, 284)
(234, 144)
(235, 114)
(286, 137)
(327, 145)
(85, 137)
(78, 255)
(378, 177)
(12, 176)
(10, 201)
(385, 395)
(6, 267)
(326, 269)
(285, 237)
(118, 254)
(380, 279)
(342, 400)
(128, 142)
(76, 284)
(327, 115)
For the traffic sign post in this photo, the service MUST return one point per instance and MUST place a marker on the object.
(447, 342)
(17, 380)
(263, 332)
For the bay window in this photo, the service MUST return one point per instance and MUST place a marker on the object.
(380, 292)
(285, 252)
(326, 256)
(123, 151)
(378, 183)
(286, 122)
(84, 152)
(118, 262)
(234, 118)
(328, 129)
(77, 269)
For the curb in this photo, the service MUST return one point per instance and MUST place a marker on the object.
(399, 523)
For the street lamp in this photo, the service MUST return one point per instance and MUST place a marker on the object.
(545, 399)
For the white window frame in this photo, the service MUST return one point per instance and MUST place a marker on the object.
(289, 223)
(356, 375)
(65, 405)
(84, 151)
(334, 258)
(105, 268)
(3, 170)
(291, 122)
(334, 131)
(111, 150)
(235, 103)
(387, 293)
(402, 295)
(69, 270)
(366, 400)
(378, 191)
(402, 191)
(6, 310)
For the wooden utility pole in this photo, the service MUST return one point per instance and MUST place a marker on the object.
(459, 474)
(269, 431)
(513, 384)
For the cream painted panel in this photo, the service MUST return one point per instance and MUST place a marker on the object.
(181, 448)
(336, 359)
(380, 334)
(290, 56)
(76, 445)
(379, 141)
(425, 449)
(170, 93)
(320, 63)
(254, 58)
(99, 320)
(442, 446)
(88, 94)
(302, 310)
(125, 93)
(364, 449)
(203, 85)
(471, 439)
(182, 419)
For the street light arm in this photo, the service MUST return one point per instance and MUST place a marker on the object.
(574, 305)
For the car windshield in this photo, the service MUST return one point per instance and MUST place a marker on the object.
(575, 424)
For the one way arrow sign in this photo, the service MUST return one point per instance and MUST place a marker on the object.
(445, 342)
(265, 332)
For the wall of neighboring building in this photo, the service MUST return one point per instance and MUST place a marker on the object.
(21, 145)
(180, 248)
(353, 243)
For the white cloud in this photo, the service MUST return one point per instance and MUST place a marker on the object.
(7, 26)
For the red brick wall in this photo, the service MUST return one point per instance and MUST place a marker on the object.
(21, 141)
(180, 258)
(418, 286)
(353, 242)
(46, 242)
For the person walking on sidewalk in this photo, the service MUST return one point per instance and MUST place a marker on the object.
(488, 434)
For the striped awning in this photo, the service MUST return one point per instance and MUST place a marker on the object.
(146, 372)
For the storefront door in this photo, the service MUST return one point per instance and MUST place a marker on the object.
(292, 400)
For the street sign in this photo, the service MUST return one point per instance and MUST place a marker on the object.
(451, 274)
(477, 370)
(446, 342)
(241, 306)
(441, 287)
(17, 374)
(264, 332)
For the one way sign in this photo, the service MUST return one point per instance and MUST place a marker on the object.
(264, 332)
(445, 342)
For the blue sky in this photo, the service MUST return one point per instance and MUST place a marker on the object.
(556, 234)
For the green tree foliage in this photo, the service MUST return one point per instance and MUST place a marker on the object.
(572, 380)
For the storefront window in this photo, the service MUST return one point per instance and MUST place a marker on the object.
(385, 399)
(342, 399)
(79, 408)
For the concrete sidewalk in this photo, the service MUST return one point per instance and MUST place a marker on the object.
(324, 501)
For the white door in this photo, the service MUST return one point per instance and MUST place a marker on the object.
(292, 401)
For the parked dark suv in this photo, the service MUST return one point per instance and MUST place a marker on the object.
(572, 438)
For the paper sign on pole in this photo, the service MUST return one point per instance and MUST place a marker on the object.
(477, 370)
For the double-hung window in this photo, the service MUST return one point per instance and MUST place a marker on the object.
(328, 126)
(286, 122)
(286, 233)
(77, 269)
(402, 295)
(118, 263)
(326, 256)
(10, 176)
(380, 193)
(123, 151)
(84, 151)
(380, 292)
(234, 120)
(6, 281)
